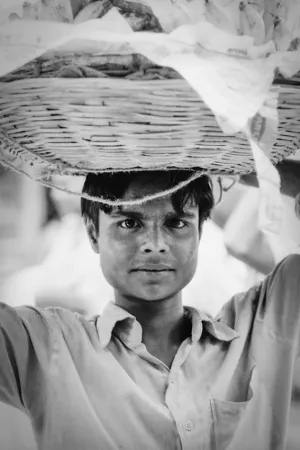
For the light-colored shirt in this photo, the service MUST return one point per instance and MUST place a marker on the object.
(91, 384)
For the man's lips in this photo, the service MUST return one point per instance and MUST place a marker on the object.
(153, 268)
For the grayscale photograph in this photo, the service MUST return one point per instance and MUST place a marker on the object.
(149, 224)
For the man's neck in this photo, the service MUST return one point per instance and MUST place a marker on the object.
(163, 322)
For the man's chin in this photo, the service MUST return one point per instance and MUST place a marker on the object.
(153, 295)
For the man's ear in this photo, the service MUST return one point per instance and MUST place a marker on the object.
(93, 235)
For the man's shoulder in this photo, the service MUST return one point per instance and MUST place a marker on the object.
(48, 315)
(54, 320)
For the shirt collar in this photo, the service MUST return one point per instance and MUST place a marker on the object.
(201, 320)
(116, 320)
(124, 324)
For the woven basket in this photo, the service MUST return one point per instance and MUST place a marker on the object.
(74, 126)
(120, 112)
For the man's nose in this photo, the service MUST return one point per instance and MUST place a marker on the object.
(155, 240)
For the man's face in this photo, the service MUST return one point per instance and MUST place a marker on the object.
(147, 251)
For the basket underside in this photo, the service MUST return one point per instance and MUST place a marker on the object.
(75, 126)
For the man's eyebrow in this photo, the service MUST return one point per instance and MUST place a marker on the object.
(185, 214)
(139, 215)
(127, 213)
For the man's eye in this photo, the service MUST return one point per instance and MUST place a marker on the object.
(129, 224)
(177, 223)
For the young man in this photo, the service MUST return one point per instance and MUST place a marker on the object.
(150, 373)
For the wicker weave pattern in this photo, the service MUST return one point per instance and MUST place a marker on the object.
(80, 125)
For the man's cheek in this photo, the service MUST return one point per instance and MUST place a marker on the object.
(187, 253)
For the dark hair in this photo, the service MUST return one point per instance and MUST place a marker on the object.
(113, 186)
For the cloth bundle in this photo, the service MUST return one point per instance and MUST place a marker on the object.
(228, 50)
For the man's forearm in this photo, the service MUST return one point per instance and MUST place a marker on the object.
(290, 178)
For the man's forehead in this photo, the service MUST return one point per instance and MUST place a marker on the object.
(144, 185)
(155, 207)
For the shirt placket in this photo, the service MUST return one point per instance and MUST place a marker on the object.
(164, 371)
(180, 401)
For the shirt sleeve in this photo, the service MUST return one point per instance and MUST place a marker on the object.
(275, 303)
(278, 304)
(25, 349)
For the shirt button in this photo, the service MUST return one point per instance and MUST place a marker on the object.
(189, 425)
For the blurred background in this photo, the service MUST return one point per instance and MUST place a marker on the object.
(46, 260)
